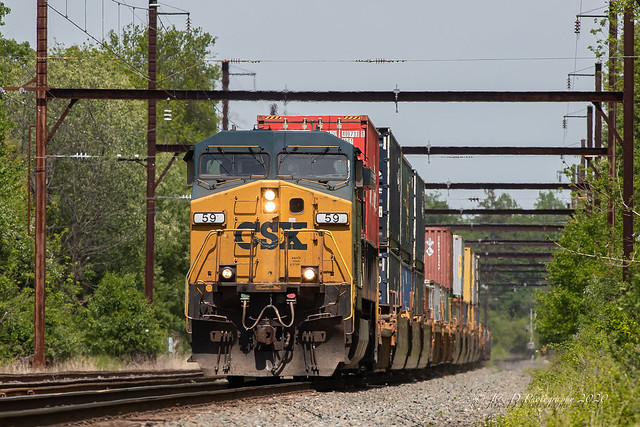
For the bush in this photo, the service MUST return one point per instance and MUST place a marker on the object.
(121, 321)
(584, 385)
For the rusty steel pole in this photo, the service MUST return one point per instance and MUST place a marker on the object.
(627, 156)
(583, 164)
(589, 127)
(598, 118)
(589, 145)
(225, 102)
(598, 125)
(41, 186)
(151, 152)
(612, 107)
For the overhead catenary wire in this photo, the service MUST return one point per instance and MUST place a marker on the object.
(103, 44)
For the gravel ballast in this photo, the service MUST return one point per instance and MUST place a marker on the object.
(467, 398)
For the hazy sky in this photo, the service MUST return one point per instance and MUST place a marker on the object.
(454, 45)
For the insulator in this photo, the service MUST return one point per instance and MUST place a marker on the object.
(577, 31)
(188, 22)
(568, 82)
(564, 123)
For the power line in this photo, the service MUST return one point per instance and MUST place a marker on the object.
(103, 44)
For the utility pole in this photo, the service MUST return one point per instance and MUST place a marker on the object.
(612, 107)
(41, 186)
(627, 156)
(598, 118)
(598, 124)
(225, 102)
(151, 152)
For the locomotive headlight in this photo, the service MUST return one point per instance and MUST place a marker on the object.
(227, 273)
(270, 207)
(309, 274)
(269, 196)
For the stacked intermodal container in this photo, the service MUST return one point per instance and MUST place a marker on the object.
(438, 256)
(418, 242)
(458, 265)
(401, 229)
(470, 291)
(389, 214)
(470, 274)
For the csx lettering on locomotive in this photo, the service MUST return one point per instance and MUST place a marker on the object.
(269, 230)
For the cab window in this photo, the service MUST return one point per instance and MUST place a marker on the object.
(233, 165)
(321, 166)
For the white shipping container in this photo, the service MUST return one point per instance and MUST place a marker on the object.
(437, 315)
(430, 295)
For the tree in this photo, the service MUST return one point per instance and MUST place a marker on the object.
(95, 209)
(433, 201)
(121, 322)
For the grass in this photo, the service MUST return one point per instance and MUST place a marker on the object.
(583, 385)
(105, 363)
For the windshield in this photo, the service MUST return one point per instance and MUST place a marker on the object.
(330, 167)
(233, 165)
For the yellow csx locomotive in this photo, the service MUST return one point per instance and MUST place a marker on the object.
(281, 281)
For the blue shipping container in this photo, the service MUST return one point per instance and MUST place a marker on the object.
(407, 285)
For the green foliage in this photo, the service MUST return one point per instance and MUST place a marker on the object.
(509, 333)
(587, 383)
(557, 315)
(121, 321)
(16, 327)
(64, 324)
(578, 266)
(96, 205)
(183, 66)
(433, 201)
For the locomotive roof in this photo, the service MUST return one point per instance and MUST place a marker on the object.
(275, 141)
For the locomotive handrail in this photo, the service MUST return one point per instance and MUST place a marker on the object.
(303, 230)
(314, 230)
(186, 279)
(195, 260)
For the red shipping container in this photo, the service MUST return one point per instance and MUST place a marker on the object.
(438, 256)
(359, 131)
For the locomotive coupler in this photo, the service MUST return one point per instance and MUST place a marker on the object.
(265, 333)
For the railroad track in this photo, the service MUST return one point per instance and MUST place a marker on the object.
(88, 398)
(85, 375)
(55, 408)
(18, 385)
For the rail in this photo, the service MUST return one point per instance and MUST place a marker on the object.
(56, 408)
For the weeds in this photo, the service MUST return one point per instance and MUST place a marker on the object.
(583, 385)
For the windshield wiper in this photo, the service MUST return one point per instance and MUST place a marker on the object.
(315, 158)
(205, 184)
(258, 158)
(287, 154)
